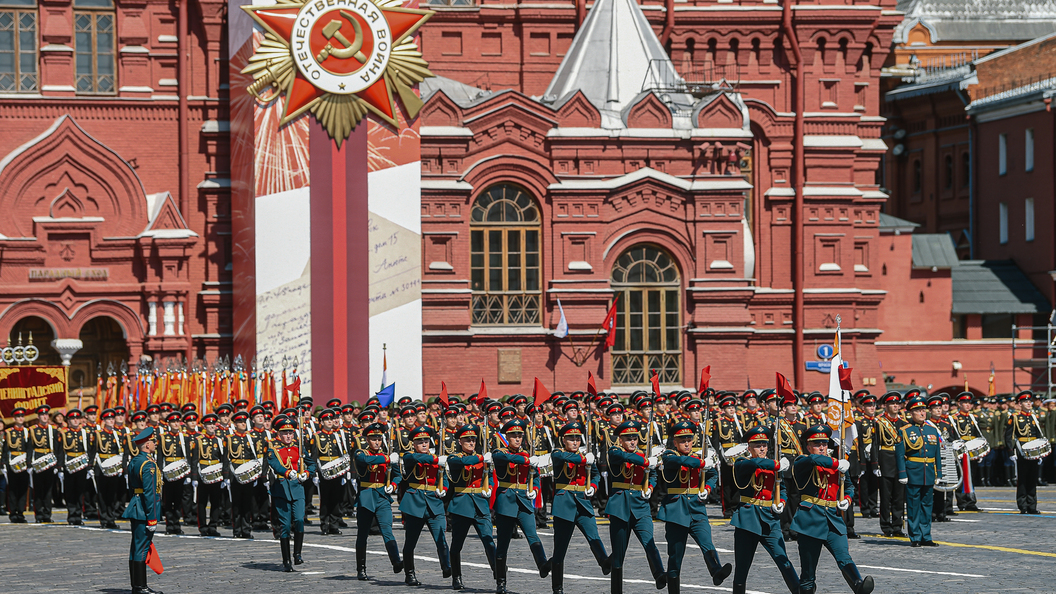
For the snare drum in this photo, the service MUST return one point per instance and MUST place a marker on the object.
(214, 473)
(335, 468)
(975, 448)
(112, 466)
(77, 464)
(546, 465)
(1036, 449)
(735, 453)
(176, 470)
(248, 472)
(44, 462)
(18, 463)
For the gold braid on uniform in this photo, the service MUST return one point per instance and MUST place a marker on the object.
(728, 437)
(914, 443)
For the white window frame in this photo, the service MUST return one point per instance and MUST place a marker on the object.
(1028, 219)
(1002, 225)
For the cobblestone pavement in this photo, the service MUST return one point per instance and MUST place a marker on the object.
(995, 551)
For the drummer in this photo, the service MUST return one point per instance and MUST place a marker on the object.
(1020, 430)
(968, 431)
(243, 469)
(173, 454)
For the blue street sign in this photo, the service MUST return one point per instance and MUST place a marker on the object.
(825, 351)
(822, 366)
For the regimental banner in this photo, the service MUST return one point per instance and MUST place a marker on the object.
(32, 386)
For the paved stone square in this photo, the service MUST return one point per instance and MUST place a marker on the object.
(996, 551)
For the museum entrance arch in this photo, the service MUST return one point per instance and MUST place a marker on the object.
(105, 344)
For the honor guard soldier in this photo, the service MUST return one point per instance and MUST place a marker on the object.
(242, 453)
(889, 462)
(943, 504)
(190, 436)
(791, 447)
(514, 499)
(819, 522)
(172, 454)
(543, 446)
(633, 479)
(451, 427)
(923, 464)
(869, 480)
(967, 428)
(291, 470)
(757, 518)
(75, 464)
(423, 502)
(575, 481)
(1021, 428)
(727, 433)
(690, 477)
(16, 456)
(467, 470)
(208, 459)
(144, 508)
(258, 416)
(108, 470)
(44, 441)
(328, 447)
(377, 484)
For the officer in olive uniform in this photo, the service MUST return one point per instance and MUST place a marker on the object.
(292, 470)
(469, 504)
(75, 464)
(1020, 428)
(44, 440)
(377, 484)
(757, 518)
(819, 522)
(888, 461)
(689, 479)
(514, 500)
(922, 464)
(106, 445)
(422, 502)
(144, 508)
(633, 479)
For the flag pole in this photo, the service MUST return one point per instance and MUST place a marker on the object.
(843, 409)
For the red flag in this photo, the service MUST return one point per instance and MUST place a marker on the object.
(591, 388)
(153, 560)
(656, 383)
(539, 393)
(784, 389)
(845, 378)
(705, 378)
(610, 324)
(443, 395)
(482, 394)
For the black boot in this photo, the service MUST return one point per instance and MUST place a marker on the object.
(673, 584)
(141, 570)
(739, 588)
(810, 590)
(557, 577)
(456, 571)
(445, 559)
(298, 543)
(394, 556)
(603, 559)
(500, 575)
(284, 544)
(540, 559)
(791, 578)
(133, 577)
(616, 581)
(718, 572)
(656, 566)
(854, 579)
(361, 565)
(408, 572)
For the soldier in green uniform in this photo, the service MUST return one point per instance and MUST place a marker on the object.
(690, 477)
(1022, 427)
(819, 522)
(144, 509)
(633, 479)
(514, 501)
(469, 505)
(292, 469)
(923, 461)
(757, 517)
(376, 487)
(985, 418)
(575, 481)
(423, 502)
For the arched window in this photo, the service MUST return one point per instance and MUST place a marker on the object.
(18, 46)
(504, 257)
(648, 317)
(94, 34)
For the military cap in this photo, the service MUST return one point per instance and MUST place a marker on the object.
(892, 397)
(1024, 395)
(506, 412)
(861, 394)
(290, 412)
(570, 405)
(327, 413)
(815, 397)
(43, 409)
(282, 423)
(408, 411)
(630, 428)
(373, 400)
(454, 400)
(819, 432)
(268, 405)
(165, 407)
(452, 411)
(694, 404)
(241, 403)
(421, 432)
(139, 415)
(912, 394)
(18, 412)
(643, 402)
(467, 430)
(256, 410)
(144, 435)
(209, 418)
(518, 399)
(683, 397)
(768, 395)
(347, 409)
(91, 409)
(120, 410)
(224, 409)
(173, 417)
(240, 416)
(374, 429)
(728, 400)
(106, 414)
(916, 402)
(659, 398)
(153, 409)
(188, 406)
(419, 406)
(74, 413)
(615, 408)
(684, 429)
(758, 433)
(934, 400)
(572, 429)
(965, 397)
(577, 395)
(366, 415)
(788, 400)
(868, 400)
(304, 401)
(603, 402)
(333, 402)
(749, 394)
(514, 426)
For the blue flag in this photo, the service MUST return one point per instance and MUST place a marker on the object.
(387, 395)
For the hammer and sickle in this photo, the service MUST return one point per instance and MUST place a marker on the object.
(332, 31)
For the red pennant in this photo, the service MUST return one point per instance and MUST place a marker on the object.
(705, 378)
(539, 393)
(591, 388)
(153, 560)
(784, 389)
(845, 378)
(482, 394)
(609, 325)
(443, 395)
(656, 383)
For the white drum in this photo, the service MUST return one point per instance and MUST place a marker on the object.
(112, 466)
(214, 473)
(546, 465)
(1036, 449)
(18, 463)
(248, 472)
(335, 468)
(77, 464)
(735, 453)
(44, 462)
(176, 470)
(975, 448)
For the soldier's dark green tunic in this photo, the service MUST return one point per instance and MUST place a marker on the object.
(144, 509)
(923, 460)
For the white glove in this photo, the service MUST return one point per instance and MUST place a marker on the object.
(778, 508)
(904, 481)
(877, 472)
(784, 464)
(442, 462)
(590, 457)
(91, 473)
(315, 480)
(390, 489)
(647, 493)
(531, 494)
(441, 492)
(304, 476)
(589, 492)
(708, 463)
(394, 458)
(344, 480)
(704, 493)
(534, 461)
(225, 483)
(657, 450)
(152, 528)
(844, 505)
(194, 484)
(486, 493)
(868, 449)
(582, 450)
(653, 461)
(432, 451)
(186, 481)
(843, 466)
(957, 444)
(487, 458)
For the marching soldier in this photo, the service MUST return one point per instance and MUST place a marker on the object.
(241, 449)
(469, 505)
(544, 445)
(291, 471)
(888, 465)
(919, 448)
(208, 456)
(423, 502)
(966, 428)
(16, 463)
(75, 464)
(633, 479)
(689, 478)
(1021, 428)
(144, 509)
(107, 472)
(868, 482)
(513, 501)
(172, 450)
(726, 433)
(791, 448)
(575, 480)
(757, 517)
(375, 497)
(44, 441)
